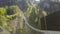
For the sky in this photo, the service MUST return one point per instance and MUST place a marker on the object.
(37, 0)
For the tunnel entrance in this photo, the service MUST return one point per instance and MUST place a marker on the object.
(52, 22)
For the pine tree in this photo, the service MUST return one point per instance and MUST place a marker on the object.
(3, 17)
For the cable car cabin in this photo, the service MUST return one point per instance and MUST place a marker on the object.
(52, 22)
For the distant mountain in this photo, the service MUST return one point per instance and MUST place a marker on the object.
(6, 2)
(22, 4)
(49, 6)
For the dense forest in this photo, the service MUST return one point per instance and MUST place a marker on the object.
(10, 15)
(12, 12)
